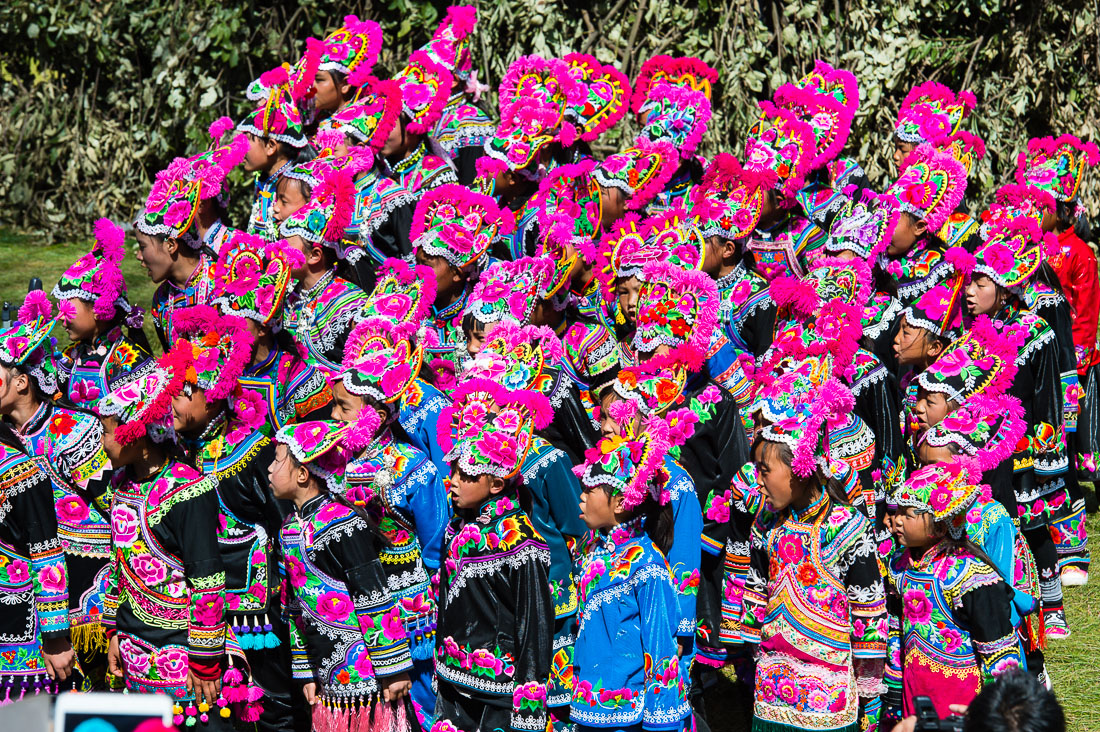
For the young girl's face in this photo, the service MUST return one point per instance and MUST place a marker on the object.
(447, 279)
(901, 152)
(345, 405)
(713, 255)
(608, 426)
(906, 233)
(469, 492)
(912, 344)
(81, 326)
(288, 199)
(282, 473)
(981, 295)
(775, 477)
(119, 455)
(312, 253)
(627, 291)
(914, 530)
(475, 338)
(930, 409)
(260, 153)
(191, 413)
(612, 208)
(397, 140)
(152, 254)
(599, 508)
(328, 94)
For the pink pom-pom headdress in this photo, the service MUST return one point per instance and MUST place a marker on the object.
(807, 432)
(829, 118)
(931, 185)
(677, 309)
(327, 214)
(319, 446)
(454, 223)
(403, 292)
(369, 120)
(491, 428)
(1056, 165)
(982, 361)
(837, 83)
(965, 147)
(97, 276)
(425, 87)
(1013, 201)
(212, 350)
(251, 278)
(143, 406)
(1014, 251)
(780, 142)
(354, 45)
(278, 116)
(675, 114)
(865, 223)
(932, 112)
(729, 200)
(640, 172)
(569, 207)
(27, 343)
(985, 428)
(507, 292)
(631, 468)
(450, 44)
(684, 71)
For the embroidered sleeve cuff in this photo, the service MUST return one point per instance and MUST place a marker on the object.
(205, 668)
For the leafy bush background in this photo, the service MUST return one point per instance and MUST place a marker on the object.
(97, 95)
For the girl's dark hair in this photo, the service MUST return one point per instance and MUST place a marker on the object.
(745, 255)
(303, 187)
(1016, 701)
(828, 484)
(10, 439)
(297, 155)
(883, 281)
(658, 520)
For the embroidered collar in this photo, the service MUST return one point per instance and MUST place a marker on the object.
(198, 273)
(737, 274)
(263, 182)
(497, 506)
(36, 420)
(809, 513)
(210, 445)
(410, 161)
(312, 506)
(212, 233)
(318, 287)
(623, 533)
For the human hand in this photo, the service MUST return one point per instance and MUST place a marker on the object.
(203, 689)
(395, 687)
(59, 657)
(310, 691)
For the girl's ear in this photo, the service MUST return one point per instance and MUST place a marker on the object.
(171, 247)
(496, 485)
(271, 147)
(617, 503)
(920, 227)
(316, 254)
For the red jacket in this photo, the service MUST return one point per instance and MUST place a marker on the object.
(1075, 266)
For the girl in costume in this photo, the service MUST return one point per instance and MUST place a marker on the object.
(253, 278)
(929, 113)
(551, 492)
(395, 483)
(35, 654)
(276, 139)
(452, 230)
(165, 600)
(626, 667)
(957, 633)
(404, 294)
(323, 307)
(496, 619)
(218, 423)
(92, 305)
(67, 443)
(349, 644)
(179, 232)
(353, 48)
(1002, 267)
(1054, 170)
(814, 602)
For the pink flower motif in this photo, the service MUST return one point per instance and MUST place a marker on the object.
(177, 213)
(791, 550)
(52, 579)
(258, 591)
(952, 639)
(208, 608)
(124, 525)
(85, 391)
(363, 666)
(788, 691)
(71, 510)
(940, 499)
(296, 571)
(151, 570)
(172, 664)
(719, 508)
(309, 436)
(232, 601)
(918, 608)
(135, 660)
(392, 627)
(334, 607)
(818, 700)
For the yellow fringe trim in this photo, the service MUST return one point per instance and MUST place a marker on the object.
(88, 637)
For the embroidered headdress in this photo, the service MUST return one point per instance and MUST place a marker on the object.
(508, 291)
(965, 147)
(864, 224)
(651, 390)
(840, 84)
(212, 350)
(143, 406)
(450, 44)
(982, 361)
(97, 276)
(631, 468)
(1013, 252)
(931, 112)
(380, 371)
(944, 490)
(453, 222)
(1012, 201)
(728, 202)
(278, 116)
(425, 87)
(675, 114)
(403, 293)
(568, 205)
(828, 117)
(678, 309)
(491, 428)
(806, 431)
(518, 358)
(1056, 165)
(353, 46)
(179, 189)
(931, 185)
(27, 343)
(606, 96)
(526, 127)
(253, 276)
(780, 142)
(312, 172)
(684, 71)
(325, 217)
(986, 429)
(939, 308)
(318, 445)
(369, 120)
(640, 172)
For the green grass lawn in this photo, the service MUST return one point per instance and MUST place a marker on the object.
(1074, 662)
(23, 257)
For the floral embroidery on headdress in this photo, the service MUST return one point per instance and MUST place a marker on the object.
(369, 120)
(425, 87)
(453, 222)
(491, 428)
(828, 117)
(450, 44)
(27, 341)
(1014, 251)
(640, 172)
(678, 309)
(985, 428)
(97, 276)
(864, 224)
(508, 291)
(278, 117)
(684, 71)
(252, 278)
(982, 361)
(806, 430)
(675, 114)
(780, 142)
(403, 293)
(143, 406)
(1056, 165)
(931, 112)
(212, 350)
(728, 201)
(606, 96)
(326, 215)
(944, 490)
(965, 147)
(1012, 201)
(632, 468)
(931, 185)
(354, 45)
(318, 445)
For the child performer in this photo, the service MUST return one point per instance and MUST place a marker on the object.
(626, 666)
(349, 644)
(496, 619)
(92, 305)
